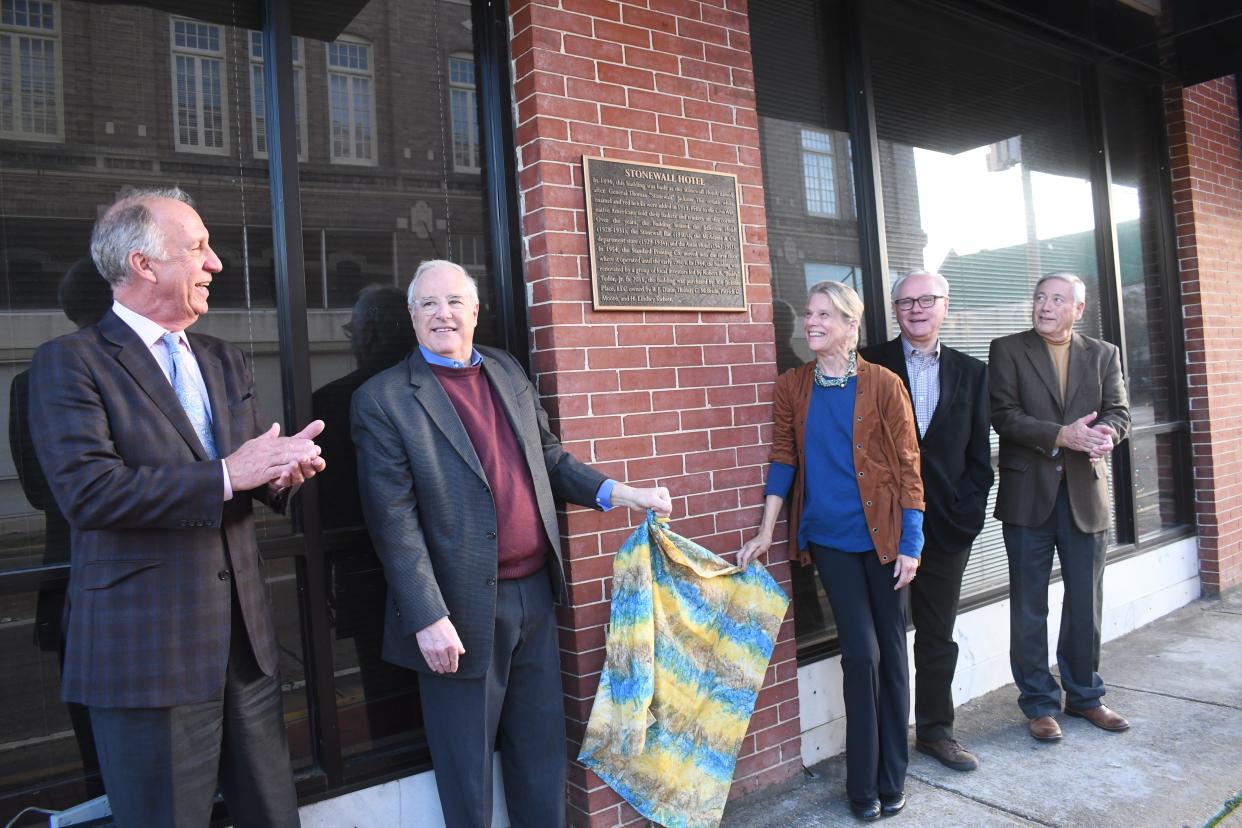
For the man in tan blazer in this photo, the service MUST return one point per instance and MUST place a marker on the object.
(1059, 405)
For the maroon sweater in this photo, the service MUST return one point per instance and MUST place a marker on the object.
(523, 544)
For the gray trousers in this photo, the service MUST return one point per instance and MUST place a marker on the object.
(1078, 647)
(516, 706)
(161, 765)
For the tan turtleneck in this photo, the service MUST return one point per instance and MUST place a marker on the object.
(1059, 351)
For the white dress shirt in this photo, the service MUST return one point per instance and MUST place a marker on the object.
(151, 335)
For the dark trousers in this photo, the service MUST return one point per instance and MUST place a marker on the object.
(934, 598)
(1078, 647)
(516, 706)
(161, 765)
(871, 627)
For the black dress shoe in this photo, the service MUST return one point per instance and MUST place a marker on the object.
(891, 804)
(867, 810)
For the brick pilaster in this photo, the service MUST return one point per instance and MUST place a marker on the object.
(1207, 200)
(675, 398)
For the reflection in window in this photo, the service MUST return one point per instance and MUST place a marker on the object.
(821, 190)
(465, 114)
(30, 82)
(991, 198)
(199, 99)
(351, 102)
(258, 112)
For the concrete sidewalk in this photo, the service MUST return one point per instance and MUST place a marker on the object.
(1179, 682)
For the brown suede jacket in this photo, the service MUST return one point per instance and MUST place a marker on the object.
(886, 451)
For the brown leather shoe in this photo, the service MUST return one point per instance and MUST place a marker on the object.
(1045, 729)
(948, 752)
(1101, 717)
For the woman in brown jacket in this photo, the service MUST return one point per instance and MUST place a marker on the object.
(845, 453)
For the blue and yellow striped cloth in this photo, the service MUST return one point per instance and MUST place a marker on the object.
(689, 639)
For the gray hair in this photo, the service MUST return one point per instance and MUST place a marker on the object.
(844, 298)
(129, 225)
(432, 264)
(942, 284)
(1080, 287)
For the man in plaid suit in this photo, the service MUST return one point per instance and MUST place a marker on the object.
(151, 445)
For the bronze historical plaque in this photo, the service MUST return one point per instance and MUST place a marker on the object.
(663, 238)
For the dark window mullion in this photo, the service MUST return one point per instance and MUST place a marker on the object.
(290, 276)
(1110, 294)
(869, 197)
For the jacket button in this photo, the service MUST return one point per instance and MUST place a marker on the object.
(858, 445)
(884, 558)
(868, 502)
(860, 418)
(862, 474)
(873, 531)
(223, 574)
(491, 582)
(1059, 467)
(491, 535)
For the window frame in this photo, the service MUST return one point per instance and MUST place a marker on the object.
(53, 36)
(198, 56)
(350, 74)
(826, 188)
(258, 146)
(470, 91)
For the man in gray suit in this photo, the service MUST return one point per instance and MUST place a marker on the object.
(150, 440)
(1059, 405)
(458, 475)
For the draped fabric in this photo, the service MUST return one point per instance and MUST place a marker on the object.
(689, 640)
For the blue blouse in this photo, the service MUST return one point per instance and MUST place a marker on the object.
(832, 513)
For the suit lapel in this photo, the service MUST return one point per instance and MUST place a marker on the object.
(435, 401)
(505, 391)
(213, 377)
(135, 357)
(1041, 361)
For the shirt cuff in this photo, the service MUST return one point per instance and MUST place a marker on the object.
(603, 495)
(780, 479)
(911, 533)
(228, 484)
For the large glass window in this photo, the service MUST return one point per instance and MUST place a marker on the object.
(985, 173)
(1159, 439)
(383, 105)
(812, 230)
(364, 232)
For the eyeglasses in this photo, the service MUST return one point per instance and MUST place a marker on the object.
(927, 300)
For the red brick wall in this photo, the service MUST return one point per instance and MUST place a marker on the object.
(679, 399)
(1207, 197)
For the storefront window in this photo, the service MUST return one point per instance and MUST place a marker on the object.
(812, 230)
(388, 162)
(1159, 440)
(984, 165)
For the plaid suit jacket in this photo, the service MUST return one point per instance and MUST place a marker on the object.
(431, 511)
(154, 546)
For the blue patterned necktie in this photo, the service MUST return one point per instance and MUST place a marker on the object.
(187, 392)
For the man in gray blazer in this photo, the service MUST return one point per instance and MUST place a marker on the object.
(1059, 405)
(458, 475)
(151, 444)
